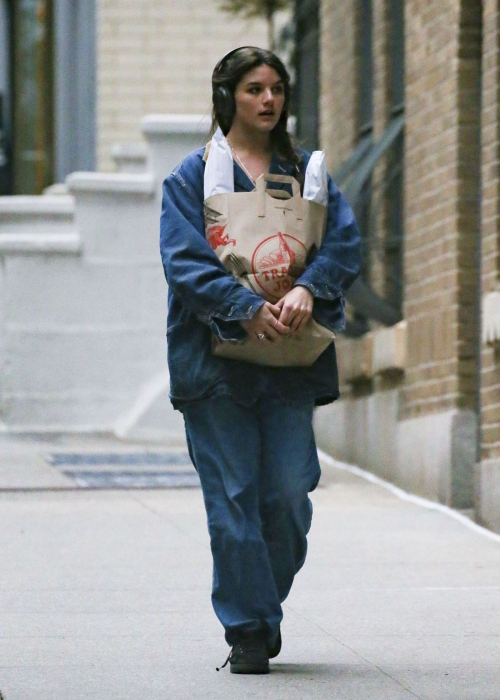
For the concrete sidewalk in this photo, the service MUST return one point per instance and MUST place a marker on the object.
(106, 595)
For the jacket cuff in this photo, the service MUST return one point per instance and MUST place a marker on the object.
(227, 330)
(241, 305)
(317, 284)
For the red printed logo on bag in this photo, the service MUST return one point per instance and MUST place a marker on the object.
(216, 237)
(277, 262)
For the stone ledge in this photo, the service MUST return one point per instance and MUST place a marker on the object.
(162, 124)
(117, 183)
(389, 349)
(37, 204)
(129, 150)
(130, 157)
(491, 318)
(355, 358)
(69, 243)
(377, 352)
(59, 188)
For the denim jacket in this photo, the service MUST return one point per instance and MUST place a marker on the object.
(203, 298)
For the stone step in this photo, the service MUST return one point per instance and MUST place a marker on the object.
(112, 183)
(36, 242)
(130, 157)
(37, 215)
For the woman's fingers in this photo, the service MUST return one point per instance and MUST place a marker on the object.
(300, 319)
(295, 316)
(280, 327)
(288, 312)
(272, 322)
(296, 307)
(303, 322)
(275, 309)
(266, 334)
(274, 330)
(271, 335)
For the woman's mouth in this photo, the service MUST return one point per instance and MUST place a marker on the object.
(266, 113)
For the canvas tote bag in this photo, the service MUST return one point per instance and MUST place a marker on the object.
(266, 238)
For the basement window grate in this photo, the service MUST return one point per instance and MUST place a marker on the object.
(133, 479)
(122, 459)
(126, 470)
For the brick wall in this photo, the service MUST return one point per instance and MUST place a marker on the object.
(381, 66)
(452, 239)
(338, 80)
(490, 376)
(381, 116)
(341, 38)
(157, 56)
(441, 174)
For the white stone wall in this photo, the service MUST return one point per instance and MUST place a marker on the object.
(157, 56)
(83, 298)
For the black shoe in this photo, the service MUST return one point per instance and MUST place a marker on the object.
(248, 656)
(276, 648)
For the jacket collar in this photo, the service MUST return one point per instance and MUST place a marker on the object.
(278, 166)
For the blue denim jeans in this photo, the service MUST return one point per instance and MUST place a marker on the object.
(257, 465)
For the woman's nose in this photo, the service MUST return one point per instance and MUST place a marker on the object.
(268, 95)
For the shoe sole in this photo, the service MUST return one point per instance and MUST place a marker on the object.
(249, 668)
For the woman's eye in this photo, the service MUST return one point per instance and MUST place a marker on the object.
(278, 90)
(254, 90)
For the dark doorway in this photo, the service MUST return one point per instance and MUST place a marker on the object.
(307, 73)
(5, 99)
(32, 83)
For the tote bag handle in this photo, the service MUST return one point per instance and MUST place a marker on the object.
(260, 188)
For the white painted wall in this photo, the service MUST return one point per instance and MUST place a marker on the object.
(83, 297)
(433, 456)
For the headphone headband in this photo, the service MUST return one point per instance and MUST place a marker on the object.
(230, 53)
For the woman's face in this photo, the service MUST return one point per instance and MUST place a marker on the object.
(259, 97)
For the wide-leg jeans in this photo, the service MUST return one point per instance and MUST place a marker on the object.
(256, 465)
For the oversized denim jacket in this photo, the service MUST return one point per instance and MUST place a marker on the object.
(203, 298)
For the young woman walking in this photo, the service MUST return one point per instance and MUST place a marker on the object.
(249, 426)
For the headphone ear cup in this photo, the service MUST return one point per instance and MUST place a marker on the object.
(224, 101)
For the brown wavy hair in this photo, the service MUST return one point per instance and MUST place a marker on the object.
(230, 74)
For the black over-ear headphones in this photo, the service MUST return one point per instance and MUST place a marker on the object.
(222, 96)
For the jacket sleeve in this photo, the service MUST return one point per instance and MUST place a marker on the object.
(193, 271)
(338, 260)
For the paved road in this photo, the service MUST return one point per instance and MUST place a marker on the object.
(104, 595)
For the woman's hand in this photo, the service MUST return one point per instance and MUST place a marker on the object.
(265, 323)
(296, 308)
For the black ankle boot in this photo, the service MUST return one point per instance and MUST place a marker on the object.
(250, 655)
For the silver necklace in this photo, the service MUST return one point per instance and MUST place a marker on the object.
(243, 165)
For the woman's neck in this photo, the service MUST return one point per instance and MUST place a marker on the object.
(242, 140)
